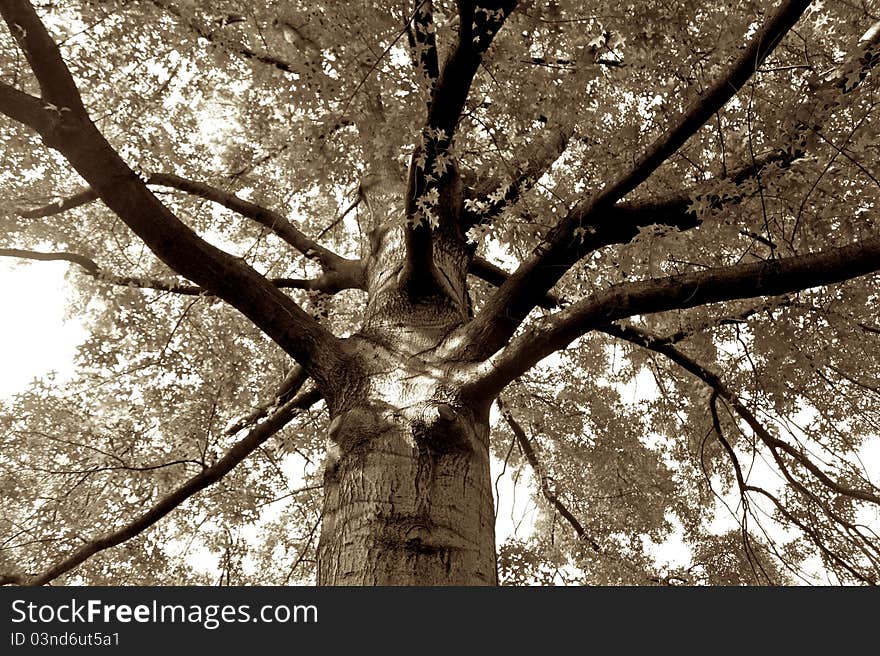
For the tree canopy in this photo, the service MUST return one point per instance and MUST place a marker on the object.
(671, 216)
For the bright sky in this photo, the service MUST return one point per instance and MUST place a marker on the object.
(35, 338)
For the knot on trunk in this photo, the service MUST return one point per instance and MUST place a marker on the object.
(433, 425)
(442, 428)
(351, 431)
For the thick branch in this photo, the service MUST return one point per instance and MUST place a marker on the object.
(88, 264)
(419, 273)
(496, 276)
(478, 26)
(497, 322)
(434, 193)
(621, 224)
(338, 272)
(92, 269)
(25, 109)
(56, 83)
(265, 217)
(230, 278)
(766, 278)
(244, 447)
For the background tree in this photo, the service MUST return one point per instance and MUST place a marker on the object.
(299, 223)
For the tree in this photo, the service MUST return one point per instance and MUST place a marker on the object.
(409, 212)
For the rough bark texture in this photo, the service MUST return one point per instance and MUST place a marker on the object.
(407, 492)
(408, 497)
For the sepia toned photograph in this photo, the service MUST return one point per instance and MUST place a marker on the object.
(434, 293)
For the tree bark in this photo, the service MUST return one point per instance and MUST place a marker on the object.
(408, 497)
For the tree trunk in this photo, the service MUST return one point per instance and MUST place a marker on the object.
(407, 491)
(408, 497)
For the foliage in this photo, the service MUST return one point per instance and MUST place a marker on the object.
(314, 110)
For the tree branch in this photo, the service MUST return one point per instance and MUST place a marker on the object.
(209, 35)
(291, 384)
(546, 487)
(490, 198)
(496, 276)
(338, 272)
(144, 282)
(549, 493)
(622, 222)
(765, 278)
(79, 199)
(810, 114)
(855, 536)
(651, 342)
(434, 192)
(230, 278)
(56, 83)
(244, 447)
(560, 249)
(423, 42)
(810, 531)
(478, 25)
(26, 109)
(265, 217)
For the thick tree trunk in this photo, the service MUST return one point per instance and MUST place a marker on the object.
(407, 491)
(408, 498)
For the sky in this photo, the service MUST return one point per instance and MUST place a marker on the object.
(35, 336)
